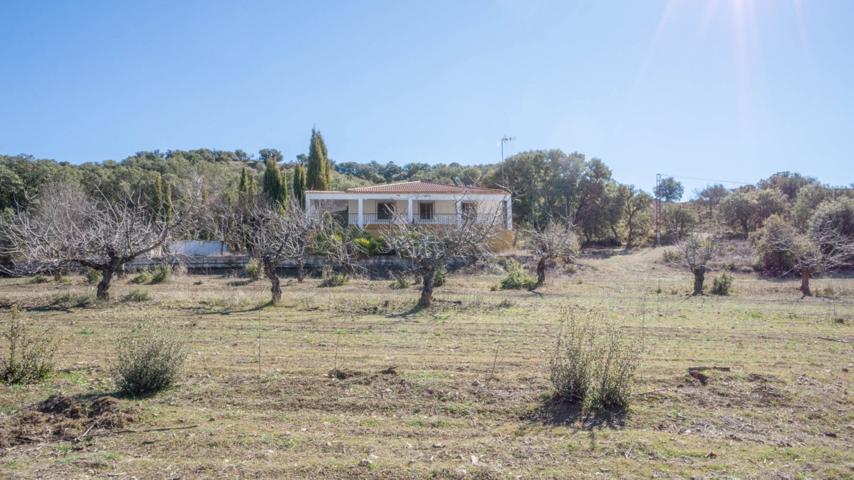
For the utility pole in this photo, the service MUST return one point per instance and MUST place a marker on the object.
(505, 139)
(657, 211)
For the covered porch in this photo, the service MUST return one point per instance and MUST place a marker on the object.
(366, 209)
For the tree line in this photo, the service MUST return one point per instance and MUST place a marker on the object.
(547, 186)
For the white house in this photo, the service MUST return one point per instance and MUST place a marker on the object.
(418, 202)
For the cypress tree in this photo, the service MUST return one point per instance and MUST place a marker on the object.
(157, 195)
(299, 184)
(244, 181)
(167, 202)
(274, 184)
(319, 171)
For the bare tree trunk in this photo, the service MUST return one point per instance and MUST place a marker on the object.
(630, 235)
(805, 283)
(541, 273)
(699, 276)
(426, 290)
(104, 284)
(300, 270)
(275, 285)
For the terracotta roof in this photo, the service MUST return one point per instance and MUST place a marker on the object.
(422, 187)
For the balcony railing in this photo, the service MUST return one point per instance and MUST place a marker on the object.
(435, 219)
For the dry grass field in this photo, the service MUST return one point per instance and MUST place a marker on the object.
(458, 391)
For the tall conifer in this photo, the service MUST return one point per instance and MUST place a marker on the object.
(319, 175)
(299, 184)
(274, 184)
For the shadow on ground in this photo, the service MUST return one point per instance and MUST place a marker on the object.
(558, 412)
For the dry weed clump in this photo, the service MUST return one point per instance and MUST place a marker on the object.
(148, 360)
(594, 364)
(29, 357)
(253, 270)
(136, 295)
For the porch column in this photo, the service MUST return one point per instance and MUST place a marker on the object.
(409, 216)
(360, 216)
(509, 213)
(458, 206)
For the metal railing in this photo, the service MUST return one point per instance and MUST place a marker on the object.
(435, 219)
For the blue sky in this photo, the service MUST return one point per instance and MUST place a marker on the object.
(728, 89)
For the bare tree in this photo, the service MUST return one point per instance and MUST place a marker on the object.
(555, 240)
(271, 234)
(334, 243)
(67, 228)
(428, 248)
(821, 250)
(695, 253)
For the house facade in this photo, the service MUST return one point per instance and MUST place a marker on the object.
(374, 207)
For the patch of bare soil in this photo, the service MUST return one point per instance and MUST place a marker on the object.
(723, 402)
(383, 390)
(64, 418)
(724, 389)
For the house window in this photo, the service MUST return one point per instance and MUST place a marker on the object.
(385, 210)
(425, 211)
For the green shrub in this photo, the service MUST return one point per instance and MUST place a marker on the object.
(69, 300)
(776, 244)
(594, 365)
(92, 276)
(671, 256)
(39, 279)
(363, 245)
(29, 352)
(161, 274)
(400, 283)
(136, 295)
(367, 244)
(148, 360)
(332, 279)
(722, 284)
(517, 278)
(141, 278)
(253, 269)
(439, 276)
(571, 367)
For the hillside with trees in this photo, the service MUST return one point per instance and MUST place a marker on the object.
(547, 186)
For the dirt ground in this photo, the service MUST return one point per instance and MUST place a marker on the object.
(350, 382)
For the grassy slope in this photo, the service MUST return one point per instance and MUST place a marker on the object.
(782, 410)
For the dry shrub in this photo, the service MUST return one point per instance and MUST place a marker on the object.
(29, 358)
(148, 360)
(161, 274)
(400, 282)
(92, 276)
(671, 256)
(253, 270)
(70, 300)
(141, 278)
(440, 276)
(136, 295)
(332, 279)
(594, 364)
